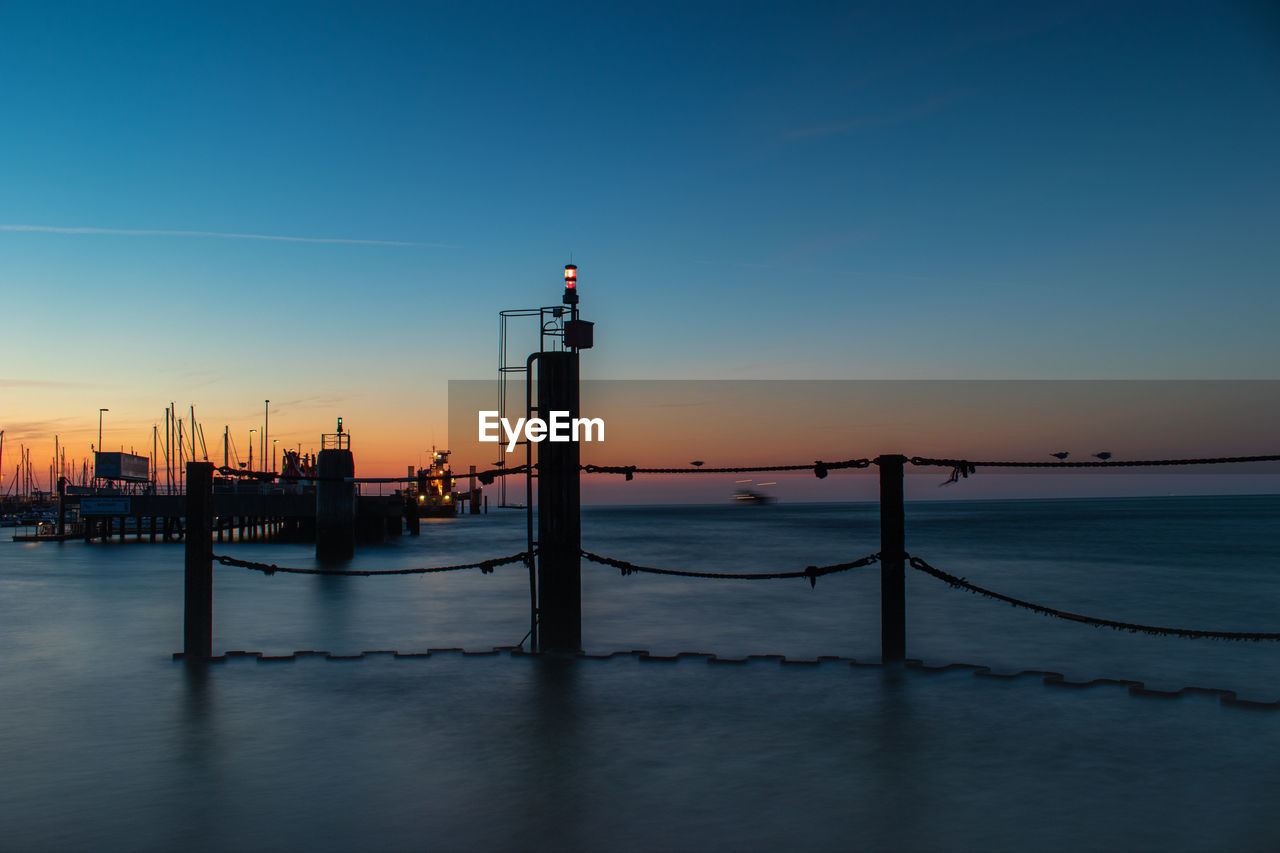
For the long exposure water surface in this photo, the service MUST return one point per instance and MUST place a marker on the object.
(106, 743)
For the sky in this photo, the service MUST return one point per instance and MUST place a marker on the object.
(747, 423)
(326, 204)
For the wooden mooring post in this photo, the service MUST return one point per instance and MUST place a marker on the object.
(893, 595)
(198, 613)
(335, 504)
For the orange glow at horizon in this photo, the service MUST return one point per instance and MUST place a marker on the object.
(655, 423)
(385, 439)
(671, 423)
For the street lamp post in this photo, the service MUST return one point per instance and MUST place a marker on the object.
(99, 447)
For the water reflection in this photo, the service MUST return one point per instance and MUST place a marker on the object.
(516, 752)
(552, 752)
(336, 596)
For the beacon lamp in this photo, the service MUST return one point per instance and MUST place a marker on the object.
(570, 284)
(578, 334)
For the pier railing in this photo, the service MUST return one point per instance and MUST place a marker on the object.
(892, 557)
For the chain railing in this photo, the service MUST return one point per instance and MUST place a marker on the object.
(810, 572)
(485, 567)
(1101, 463)
(819, 468)
(891, 555)
(1132, 627)
(486, 477)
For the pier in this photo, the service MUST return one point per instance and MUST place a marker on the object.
(241, 513)
(325, 506)
(553, 555)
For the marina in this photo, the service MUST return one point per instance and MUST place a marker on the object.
(249, 508)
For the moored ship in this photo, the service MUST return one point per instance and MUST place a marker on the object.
(435, 495)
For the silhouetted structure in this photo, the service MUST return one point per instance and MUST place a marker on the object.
(335, 498)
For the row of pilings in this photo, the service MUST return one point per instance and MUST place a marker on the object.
(556, 624)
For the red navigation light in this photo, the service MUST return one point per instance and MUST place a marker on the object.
(571, 286)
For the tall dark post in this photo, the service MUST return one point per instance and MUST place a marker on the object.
(473, 496)
(411, 516)
(62, 506)
(559, 511)
(198, 623)
(335, 498)
(893, 594)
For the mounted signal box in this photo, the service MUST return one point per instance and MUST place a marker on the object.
(579, 334)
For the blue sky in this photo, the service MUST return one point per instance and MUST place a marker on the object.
(843, 190)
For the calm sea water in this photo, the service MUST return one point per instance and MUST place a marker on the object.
(106, 743)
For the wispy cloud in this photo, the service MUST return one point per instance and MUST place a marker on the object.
(315, 401)
(41, 383)
(40, 430)
(141, 232)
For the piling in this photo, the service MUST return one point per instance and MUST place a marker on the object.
(198, 622)
(62, 506)
(335, 505)
(893, 597)
(559, 511)
(411, 516)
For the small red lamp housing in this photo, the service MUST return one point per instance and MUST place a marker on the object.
(570, 284)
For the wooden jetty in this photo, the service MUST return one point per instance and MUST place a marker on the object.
(241, 511)
(44, 537)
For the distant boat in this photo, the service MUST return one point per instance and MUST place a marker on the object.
(746, 497)
(436, 497)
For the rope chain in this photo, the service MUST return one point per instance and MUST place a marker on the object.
(485, 477)
(1110, 463)
(1153, 630)
(819, 468)
(959, 468)
(812, 572)
(485, 566)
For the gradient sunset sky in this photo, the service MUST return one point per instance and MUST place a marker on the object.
(326, 204)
